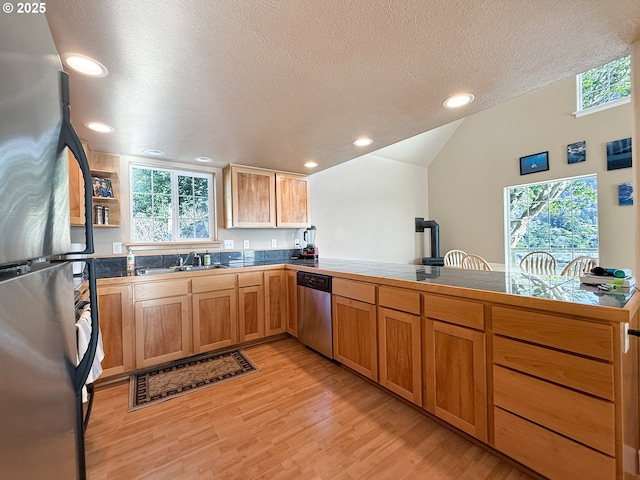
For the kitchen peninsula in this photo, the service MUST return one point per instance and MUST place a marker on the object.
(538, 368)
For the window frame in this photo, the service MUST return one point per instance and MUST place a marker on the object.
(600, 106)
(557, 252)
(175, 172)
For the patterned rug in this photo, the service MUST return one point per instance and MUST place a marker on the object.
(159, 384)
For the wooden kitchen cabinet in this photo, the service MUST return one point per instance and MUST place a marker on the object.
(275, 298)
(76, 191)
(259, 198)
(249, 197)
(107, 166)
(117, 328)
(251, 306)
(163, 321)
(454, 361)
(400, 342)
(215, 312)
(355, 326)
(293, 209)
(292, 303)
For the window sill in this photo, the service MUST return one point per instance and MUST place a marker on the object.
(600, 108)
(172, 246)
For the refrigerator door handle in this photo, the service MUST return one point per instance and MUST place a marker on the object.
(69, 138)
(84, 367)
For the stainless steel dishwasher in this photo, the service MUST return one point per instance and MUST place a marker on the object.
(314, 312)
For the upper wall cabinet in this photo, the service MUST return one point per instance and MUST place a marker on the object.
(258, 198)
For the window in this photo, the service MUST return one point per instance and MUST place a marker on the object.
(604, 85)
(170, 205)
(559, 217)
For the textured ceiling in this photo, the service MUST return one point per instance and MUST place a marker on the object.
(274, 83)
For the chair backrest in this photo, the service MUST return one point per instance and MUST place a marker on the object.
(579, 266)
(542, 263)
(453, 258)
(474, 262)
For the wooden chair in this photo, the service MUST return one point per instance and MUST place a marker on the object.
(474, 262)
(579, 266)
(453, 258)
(540, 263)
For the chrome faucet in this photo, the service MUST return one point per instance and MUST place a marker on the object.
(185, 261)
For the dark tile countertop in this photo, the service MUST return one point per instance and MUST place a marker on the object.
(567, 289)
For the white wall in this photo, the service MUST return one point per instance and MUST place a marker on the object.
(365, 209)
(467, 179)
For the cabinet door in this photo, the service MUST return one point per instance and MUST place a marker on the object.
(250, 198)
(76, 191)
(292, 201)
(292, 303)
(455, 376)
(275, 296)
(400, 353)
(162, 330)
(354, 335)
(116, 326)
(251, 312)
(215, 320)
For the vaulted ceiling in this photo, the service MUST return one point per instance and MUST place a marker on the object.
(274, 83)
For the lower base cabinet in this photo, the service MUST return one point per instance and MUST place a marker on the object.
(292, 303)
(251, 306)
(455, 376)
(116, 326)
(275, 298)
(215, 320)
(162, 330)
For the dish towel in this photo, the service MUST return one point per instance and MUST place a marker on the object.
(83, 330)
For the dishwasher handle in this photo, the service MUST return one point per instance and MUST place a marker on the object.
(316, 281)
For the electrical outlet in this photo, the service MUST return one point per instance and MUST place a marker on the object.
(296, 241)
(246, 244)
(274, 242)
(228, 244)
(116, 247)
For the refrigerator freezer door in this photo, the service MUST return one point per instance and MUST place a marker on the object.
(40, 434)
(34, 185)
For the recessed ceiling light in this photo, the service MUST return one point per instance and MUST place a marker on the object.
(458, 100)
(153, 152)
(99, 127)
(203, 159)
(85, 65)
(362, 142)
(311, 164)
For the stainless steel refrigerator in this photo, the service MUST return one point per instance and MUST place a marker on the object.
(41, 433)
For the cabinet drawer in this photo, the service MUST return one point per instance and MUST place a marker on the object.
(586, 419)
(584, 374)
(454, 310)
(364, 292)
(586, 338)
(249, 279)
(213, 283)
(165, 288)
(552, 455)
(399, 299)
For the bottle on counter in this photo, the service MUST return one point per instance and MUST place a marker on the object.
(207, 258)
(131, 262)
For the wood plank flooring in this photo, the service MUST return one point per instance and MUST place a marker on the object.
(300, 417)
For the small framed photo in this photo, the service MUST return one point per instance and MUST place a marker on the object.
(577, 152)
(619, 154)
(102, 187)
(538, 162)
(625, 194)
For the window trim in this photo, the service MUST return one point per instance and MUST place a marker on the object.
(211, 241)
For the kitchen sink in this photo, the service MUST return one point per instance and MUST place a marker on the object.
(177, 268)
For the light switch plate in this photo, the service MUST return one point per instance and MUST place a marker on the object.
(116, 247)
(228, 244)
(245, 244)
(274, 242)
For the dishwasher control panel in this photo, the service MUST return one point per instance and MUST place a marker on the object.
(316, 281)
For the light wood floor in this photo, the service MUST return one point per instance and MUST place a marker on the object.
(300, 417)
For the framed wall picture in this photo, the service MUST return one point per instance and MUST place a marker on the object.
(577, 152)
(538, 162)
(619, 154)
(625, 194)
(102, 187)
